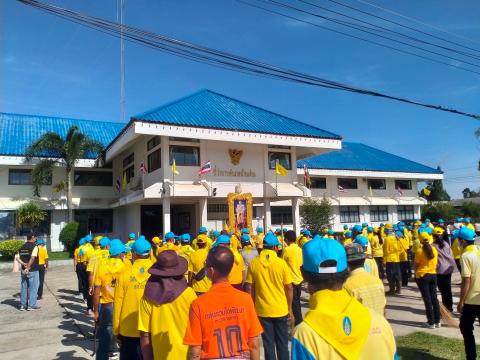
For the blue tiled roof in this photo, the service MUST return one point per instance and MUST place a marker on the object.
(18, 131)
(355, 156)
(208, 109)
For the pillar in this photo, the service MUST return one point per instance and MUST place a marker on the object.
(267, 214)
(296, 215)
(203, 212)
(166, 214)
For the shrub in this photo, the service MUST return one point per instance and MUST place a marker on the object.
(316, 214)
(9, 248)
(30, 215)
(69, 236)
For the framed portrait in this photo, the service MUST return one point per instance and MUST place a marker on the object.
(239, 211)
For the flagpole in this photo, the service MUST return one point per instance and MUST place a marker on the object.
(173, 173)
(276, 178)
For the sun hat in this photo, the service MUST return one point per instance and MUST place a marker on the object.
(318, 250)
(354, 252)
(169, 264)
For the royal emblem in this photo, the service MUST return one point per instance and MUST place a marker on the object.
(235, 156)
(347, 325)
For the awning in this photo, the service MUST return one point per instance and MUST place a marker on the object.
(283, 190)
(182, 190)
(383, 201)
(408, 200)
(352, 200)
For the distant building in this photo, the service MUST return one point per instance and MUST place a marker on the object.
(242, 142)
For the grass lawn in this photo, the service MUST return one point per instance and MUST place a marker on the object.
(59, 255)
(423, 346)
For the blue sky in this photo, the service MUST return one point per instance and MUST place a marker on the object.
(49, 66)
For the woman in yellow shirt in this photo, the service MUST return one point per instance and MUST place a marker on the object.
(426, 258)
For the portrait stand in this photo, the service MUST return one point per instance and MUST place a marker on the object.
(240, 210)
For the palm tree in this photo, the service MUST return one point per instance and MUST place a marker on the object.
(53, 150)
(30, 215)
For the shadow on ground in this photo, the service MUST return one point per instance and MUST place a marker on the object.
(406, 353)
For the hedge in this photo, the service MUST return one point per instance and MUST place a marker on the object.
(69, 236)
(9, 248)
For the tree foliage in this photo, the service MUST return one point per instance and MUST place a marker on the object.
(440, 210)
(30, 215)
(9, 248)
(472, 210)
(437, 192)
(69, 236)
(467, 193)
(316, 214)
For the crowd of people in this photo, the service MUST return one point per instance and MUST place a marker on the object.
(216, 295)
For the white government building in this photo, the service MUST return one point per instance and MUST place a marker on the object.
(242, 143)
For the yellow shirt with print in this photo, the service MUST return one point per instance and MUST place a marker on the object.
(391, 249)
(106, 278)
(236, 274)
(292, 255)
(269, 274)
(470, 265)
(167, 324)
(185, 251)
(196, 262)
(128, 292)
(424, 265)
(367, 289)
(42, 255)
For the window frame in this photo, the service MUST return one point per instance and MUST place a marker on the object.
(313, 179)
(170, 155)
(404, 212)
(347, 187)
(350, 210)
(94, 173)
(284, 153)
(409, 187)
(384, 181)
(25, 171)
(153, 140)
(376, 213)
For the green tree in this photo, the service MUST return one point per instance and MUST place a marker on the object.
(471, 209)
(439, 210)
(437, 192)
(53, 150)
(467, 193)
(316, 213)
(69, 236)
(29, 215)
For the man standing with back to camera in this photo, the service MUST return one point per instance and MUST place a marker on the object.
(29, 278)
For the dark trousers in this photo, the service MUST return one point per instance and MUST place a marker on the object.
(104, 331)
(404, 272)
(296, 306)
(381, 269)
(275, 337)
(130, 348)
(444, 283)
(85, 287)
(428, 288)
(393, 276)
(469, 314)
(79, 278)
(41, 277)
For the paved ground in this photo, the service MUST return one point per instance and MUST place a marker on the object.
(60, 330)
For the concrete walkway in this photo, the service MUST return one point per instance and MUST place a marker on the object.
(60, 330)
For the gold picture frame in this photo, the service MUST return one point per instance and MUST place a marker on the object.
(240, 210)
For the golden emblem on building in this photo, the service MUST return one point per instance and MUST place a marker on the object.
(235, 156)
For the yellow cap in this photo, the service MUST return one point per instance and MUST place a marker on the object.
(417, 223)
(156, 240)
(424, 236)
(376, 230)
(389, 226)
(438, 231)
(97, 239)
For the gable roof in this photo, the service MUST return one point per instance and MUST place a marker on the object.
(360, 157)
(18, 131)
(208, 109)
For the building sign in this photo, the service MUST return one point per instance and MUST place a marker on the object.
(233, 173)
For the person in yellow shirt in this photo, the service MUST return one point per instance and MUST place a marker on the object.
(196, 268)
(347, 238)
(130, 241)
(42, 266)
(128, 292)
(202, 232)
(364, 229)
(391, 257)
(366, 288)
(337, 326)
(169, 243)
(426, 258)
(236, 277)
(163, 315)
(331, 234)
(304, 238)
(269, 281)
(404, 246)
(377, 251)
(382, 231)
(185, 249)
(100, 254)
(105, 281)
(468, 223)
(77, 261)
(370, 265)
(456, 248)
(156, 244)
(258, 243)
(292, 254)
(86, 252)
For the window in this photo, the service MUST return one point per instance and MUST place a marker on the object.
(349, 214)
(405, 212)
(128, 174)
(130, 159)
(378, 213)
(184, 139)
(347, 183)
(281, 215)
(93, 178)
(153, 142)
(185, 155)
(23, 177)
(217, 208)
(7, 224)
(403, 184)
(96, 221)
(318, 183)
(283, 158)
(376, 184)
(154, 160)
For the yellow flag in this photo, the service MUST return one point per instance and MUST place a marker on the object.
(174, 168)
(426, 191)
(280, 170)
(124, 181)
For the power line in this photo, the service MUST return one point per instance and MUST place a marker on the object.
(216, 57)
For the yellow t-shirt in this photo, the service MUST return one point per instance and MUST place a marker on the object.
(347, 241)
(107, 274)
(367, 289)
(185, 251)
(404, 244)
(303, 240)
(129, 254)
(391, 249)
(42, 255)
(470, 264)
(456, 249)
(128, 292)
(292, 255)
(235, 243)
(424, 265)
(167, 324)
(269, 274)
(377, 248)
(196, 262)
(470, 226)
(236, 274)
(259, 240)
(371, 266)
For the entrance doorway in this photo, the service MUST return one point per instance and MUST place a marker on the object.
(183, 219)
(151, 220)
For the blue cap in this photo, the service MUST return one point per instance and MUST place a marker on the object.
(364, 224)
(141, 247)
(345, 227)
(348, 233)
(222, 239)
(215, 233)
(441, 221)
(245, 238)
(331, 232)
(409, 227)
(40, 242)
(466, 234)
(429, 230)
(399, 233)
(401, 223)
(278, 230)
(88, 238)
(169, 235)
(245, 231)
(369, 229)
(382, 224)
(467, 220)
(317, 251)
(185, 238)
(422, 225)
(455, 234)
(427, 220)
(203, 230)
(270, 240)
(131, 236)
(357, 228)
(141, 237)
(104, 242)
(259, 229)
(362, 240)
(117, 247)
(307, 232)
(81, 241)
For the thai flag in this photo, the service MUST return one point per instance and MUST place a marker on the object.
(399, 191)
(205, 168)
(341, 189)
(143, 168)
(118, 185)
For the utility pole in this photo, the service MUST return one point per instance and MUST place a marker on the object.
(120, 19)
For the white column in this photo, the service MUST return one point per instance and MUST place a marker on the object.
(166, 214)
(296, 215)
(268, 214)
(202, 207)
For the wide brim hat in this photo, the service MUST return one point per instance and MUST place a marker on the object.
(169, 264)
